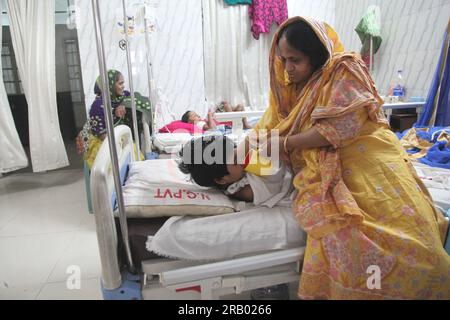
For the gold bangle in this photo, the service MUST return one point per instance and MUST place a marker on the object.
(285, 145)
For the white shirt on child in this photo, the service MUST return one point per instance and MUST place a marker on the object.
(268, 191)
(201, 124)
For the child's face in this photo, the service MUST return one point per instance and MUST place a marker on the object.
(236, 173)
(194, 118)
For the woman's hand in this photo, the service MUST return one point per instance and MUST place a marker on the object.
(120, 111)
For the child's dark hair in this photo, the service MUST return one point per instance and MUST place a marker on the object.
(205, 159)
(185, 117)
(302, 37)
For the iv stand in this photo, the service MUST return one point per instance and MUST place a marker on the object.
(110, 129)
(130, 79)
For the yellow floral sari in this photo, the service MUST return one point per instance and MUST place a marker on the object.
(373, 232)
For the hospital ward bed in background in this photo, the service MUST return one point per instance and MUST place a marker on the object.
(171, 143)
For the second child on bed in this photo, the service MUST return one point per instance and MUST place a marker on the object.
(192, 117)
(212, 162)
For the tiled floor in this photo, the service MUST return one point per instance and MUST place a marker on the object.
(45, 229)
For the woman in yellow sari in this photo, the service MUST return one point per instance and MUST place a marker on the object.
(373, 232)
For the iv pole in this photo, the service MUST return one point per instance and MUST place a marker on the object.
(130, 79)
(110, 129)
(151, 82)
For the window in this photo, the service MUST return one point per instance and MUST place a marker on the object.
(74, 70)
(11, 78)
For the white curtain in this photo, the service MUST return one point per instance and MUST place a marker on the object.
(12, 154)
(33, 37)
(236, 64)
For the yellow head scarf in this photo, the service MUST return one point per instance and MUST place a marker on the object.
(288, 110)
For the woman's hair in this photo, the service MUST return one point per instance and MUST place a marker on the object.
(185, 117)
(302, 37)
(205, 159)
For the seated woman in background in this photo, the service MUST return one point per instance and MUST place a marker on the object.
(192, 117)
(94, 132)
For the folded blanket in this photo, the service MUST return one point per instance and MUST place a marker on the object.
(430, 146)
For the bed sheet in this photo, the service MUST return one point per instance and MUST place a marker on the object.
(437, 181)
(227, 236)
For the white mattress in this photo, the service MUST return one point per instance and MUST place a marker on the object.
(257, 229)
(437, 181)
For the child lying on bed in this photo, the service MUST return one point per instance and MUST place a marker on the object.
(192, 117)
(212, 162)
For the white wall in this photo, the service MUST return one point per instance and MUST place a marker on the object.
(412, 32)
(236, 64)
(177, 50)
(323, 10)
(178, 55)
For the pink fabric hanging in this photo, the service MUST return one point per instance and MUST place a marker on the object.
(264, 13)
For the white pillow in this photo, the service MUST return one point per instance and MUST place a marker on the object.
(157, 188)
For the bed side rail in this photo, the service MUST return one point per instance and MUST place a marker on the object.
(232, 267)
(102, 187)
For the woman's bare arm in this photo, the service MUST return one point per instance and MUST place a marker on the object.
(307, 140)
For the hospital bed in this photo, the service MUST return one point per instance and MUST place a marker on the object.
(165, 277)
(160, 277)
(171, 143)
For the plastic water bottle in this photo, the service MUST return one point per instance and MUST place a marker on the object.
(399, 88)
